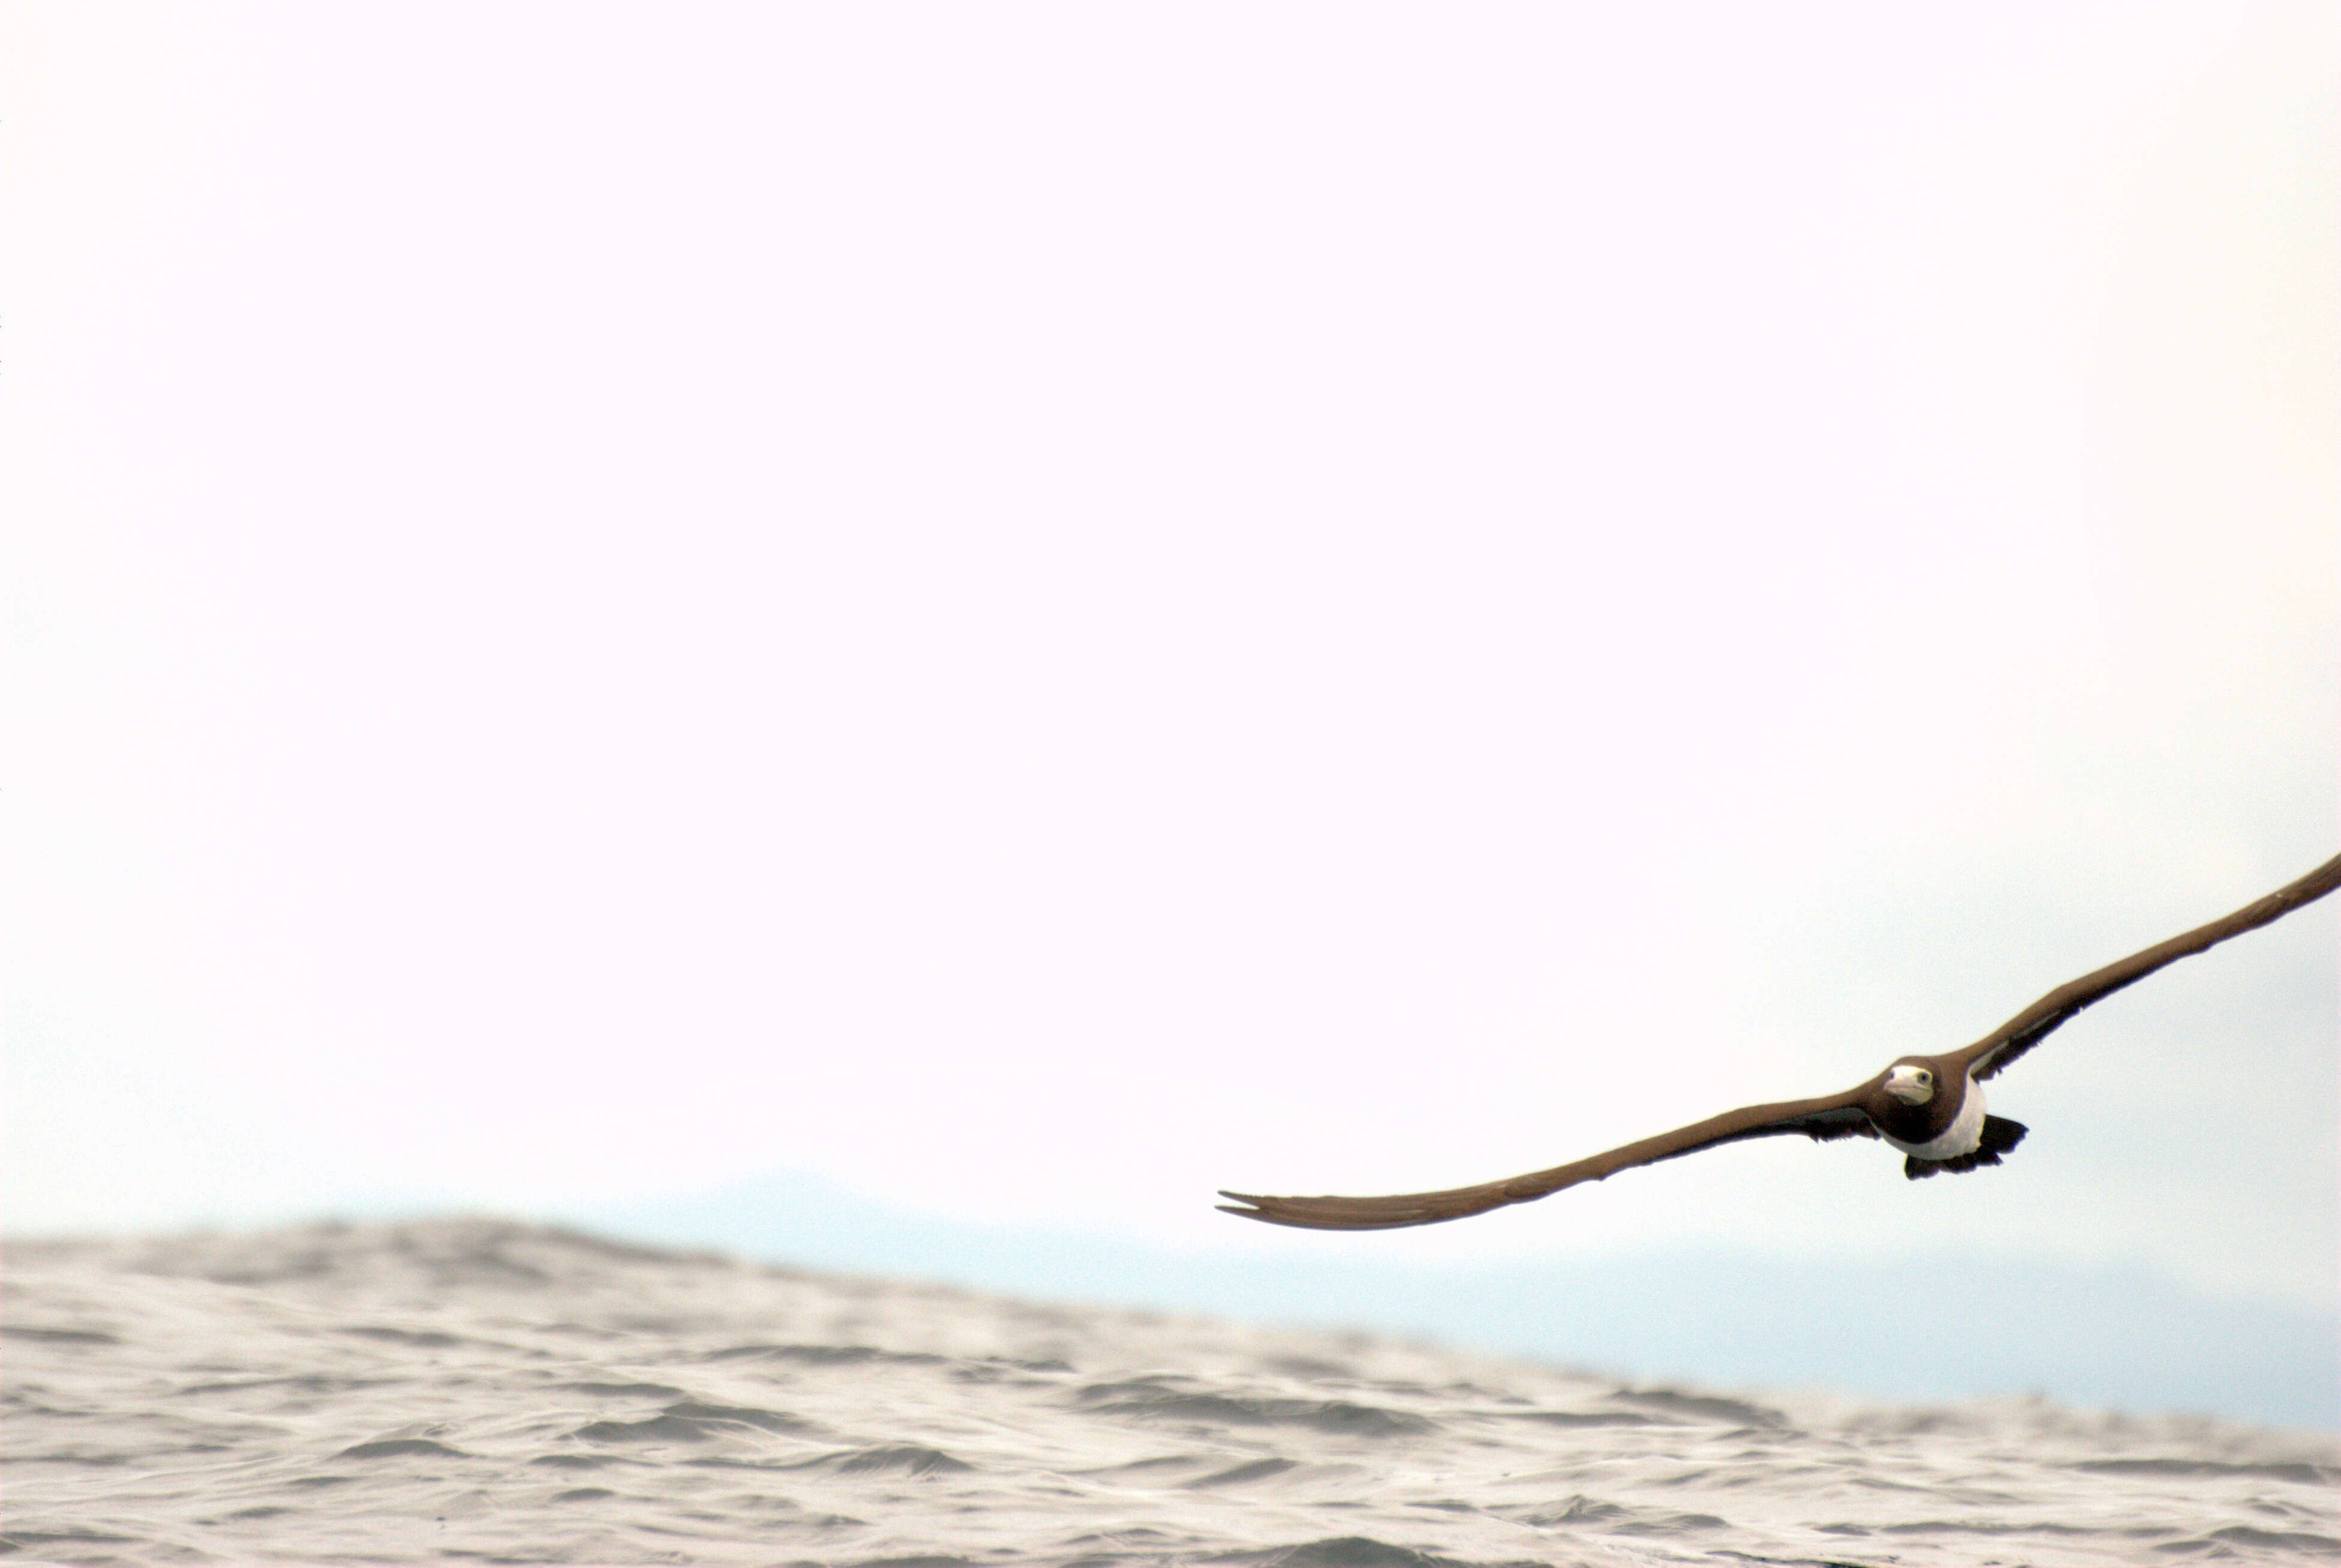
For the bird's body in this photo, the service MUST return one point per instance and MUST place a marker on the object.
(1931, 1109)
(1947, 1137)
(1917, 1106)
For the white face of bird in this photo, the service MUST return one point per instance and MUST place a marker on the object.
(1910, 1083)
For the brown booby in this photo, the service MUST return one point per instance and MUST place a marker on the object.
(1929, 1108)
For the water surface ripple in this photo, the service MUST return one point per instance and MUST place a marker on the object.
(472, 1389)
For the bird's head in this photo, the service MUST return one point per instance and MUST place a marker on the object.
(1910, 1081)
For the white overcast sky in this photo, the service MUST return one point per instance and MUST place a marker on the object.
(1038, 609)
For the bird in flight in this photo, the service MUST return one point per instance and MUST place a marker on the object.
(1929, 1108)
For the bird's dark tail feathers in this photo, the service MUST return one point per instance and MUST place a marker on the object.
(1999, 1135)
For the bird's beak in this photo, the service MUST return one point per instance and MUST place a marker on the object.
(1907, 1089)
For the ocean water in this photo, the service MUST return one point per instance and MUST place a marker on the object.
(479, 1390)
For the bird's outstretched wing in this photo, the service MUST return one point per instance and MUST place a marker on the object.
(1832, 1116)
(1988, 1055)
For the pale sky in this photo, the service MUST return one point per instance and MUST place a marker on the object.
(1036, 610)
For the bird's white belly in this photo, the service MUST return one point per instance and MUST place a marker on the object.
(1963, 1137)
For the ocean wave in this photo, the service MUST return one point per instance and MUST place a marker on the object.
(477, 1389)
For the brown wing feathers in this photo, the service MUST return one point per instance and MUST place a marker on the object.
(2032, 1024)
(1834, 1116)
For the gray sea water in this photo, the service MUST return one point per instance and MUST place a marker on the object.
(474, 1389)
